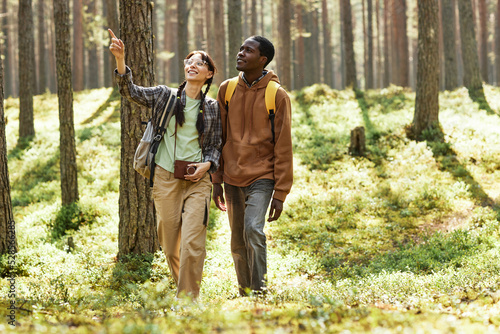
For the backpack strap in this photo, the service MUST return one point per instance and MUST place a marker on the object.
(160, 131)
(270, 97)
(231, 86)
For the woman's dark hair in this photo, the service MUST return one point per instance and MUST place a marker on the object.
(266, 48)
(179, 107)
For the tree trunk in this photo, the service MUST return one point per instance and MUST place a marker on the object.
(350, 63)
(311, 43)
(210, 29)
(93, 68)
(387, 66)
(234, 27)
(26, 69)
(284, 54)
(7, 227)
(299, 48)
(253, 21)
(78, 75)
(427, 95)
(497, 43)
(327, 45)
(379, 71)
(401, 43)
(483, 37)
(358, 146)
(220, 37)
(67, 147)
(369, 59)
(472, 77)
(42, 62)
(182, 34)
(450, 59)
(171, 65)
(52, 52)
(6, 49)
(137, 229)
(199, 26)
(113, 24)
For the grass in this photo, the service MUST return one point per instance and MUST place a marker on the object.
(403, 239)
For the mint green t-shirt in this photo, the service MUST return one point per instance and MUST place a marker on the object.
(188, 148)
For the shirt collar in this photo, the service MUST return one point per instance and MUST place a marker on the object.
(256, 81)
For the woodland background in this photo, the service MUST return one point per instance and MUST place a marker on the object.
(397, 232)
(384, 35)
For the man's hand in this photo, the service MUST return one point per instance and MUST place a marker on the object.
(276, 209)
(218, 195)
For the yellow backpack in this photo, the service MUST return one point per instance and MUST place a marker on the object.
(269, 96)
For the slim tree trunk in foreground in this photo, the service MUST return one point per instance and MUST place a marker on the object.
(137, 229)
(427, 95)
(67, 146)
(7, 226)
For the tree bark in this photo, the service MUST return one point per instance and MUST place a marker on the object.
(6, 50)
(7, 227)
(234, 26)
(299, 48)
(253, 21)
(497, 43)
(483, 37)
(52, 52)
(427, 96)
(220, 37)
(67, 147)
(379, 68)
(450, 52)
(113, 24)
(472, 77)
(137, 229)
(284, 42)
(369, 35)
(42, 62)
(350, 63)
(401, 43)
(387, 67)
(182, 34)
(26, 69)
(78, 75)
(93, 68)
(327, 45)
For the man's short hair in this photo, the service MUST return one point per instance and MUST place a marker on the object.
(266, 48)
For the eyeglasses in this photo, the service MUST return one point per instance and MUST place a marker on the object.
(197, 62)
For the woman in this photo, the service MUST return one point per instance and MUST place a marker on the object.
(193, 134)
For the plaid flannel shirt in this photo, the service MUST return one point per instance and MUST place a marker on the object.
(157, 97)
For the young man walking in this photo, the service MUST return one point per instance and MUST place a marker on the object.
(257, 162)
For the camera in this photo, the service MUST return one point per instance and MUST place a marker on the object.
(190, 170)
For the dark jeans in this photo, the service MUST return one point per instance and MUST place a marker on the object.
(247, 207)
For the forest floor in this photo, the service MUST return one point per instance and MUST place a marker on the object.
(402, 240)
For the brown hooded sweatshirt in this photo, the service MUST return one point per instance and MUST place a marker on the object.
(249, 153)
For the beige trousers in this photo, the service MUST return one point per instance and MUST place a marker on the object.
(182, 209)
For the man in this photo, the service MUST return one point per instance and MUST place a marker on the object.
(256, 163)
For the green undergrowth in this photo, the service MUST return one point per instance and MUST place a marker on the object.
(403, 239)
